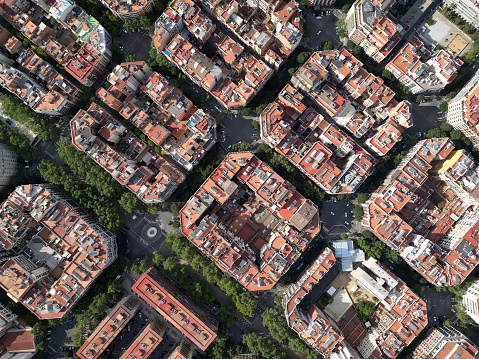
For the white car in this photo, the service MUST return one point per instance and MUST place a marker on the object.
(332, 213)
(319, 32)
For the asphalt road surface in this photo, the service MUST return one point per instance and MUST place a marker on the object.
(424, 117)
(438, 304)
(327, 26)
(337, 214)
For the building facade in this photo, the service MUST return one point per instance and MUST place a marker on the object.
(268, 227)
(109, 328)
(127, 10)
(468, 10)
(470, 301)
(463, 110)
(445, 342)
(72, 250)
(369, 27)
(197, 325)
(8, 164)
(434, 235)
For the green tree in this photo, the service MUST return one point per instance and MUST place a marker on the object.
(327, 45)
(451, 94)
(245, 303)
(363, 197)
(212, 273)
(435, 133)
(358, 213)
(145, 264)
(304, 4)
(129, 202)
(130, 58)
(158, 258)
(263, 347)
(225, 315)
(446, 127)
(199, 263)
(385, 74)
(114, 286)
(346, 8)
(42, 345)
(17, 142)
(96, 306)
(40, 328)
(297, 345)
(419, 98)
(19, 112)
(291, 71)
(302, 57)
(455, 135)
(443, 107)
(429, 21)
(245, 111)
(354, 49)
(364, 310)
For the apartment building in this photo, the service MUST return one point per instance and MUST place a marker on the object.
(83, 26)
(34, 80)
(7, 319)
(470, 301)
(109, 328)
(32, 93)
(463, 110)
(233, 80)
(19, 342)
(147, 341)
(271, 28)
(127, 10)
(324, 153)
(466, 9)
(8, 164)
(399, 317)
(369, 27)
(161, 111)
(184, 350)
(197, 325)
(418, 213)
(400, 313)
(249, 221)
(72, 250)
(312, 325)
(445, 342)
(322, 2)
(420, 71)
(119, 152)
(355, 99)
(80, 44)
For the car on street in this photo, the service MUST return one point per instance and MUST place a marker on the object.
(332, 213)
(435, 319)
(319, 32)
(346, 222)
